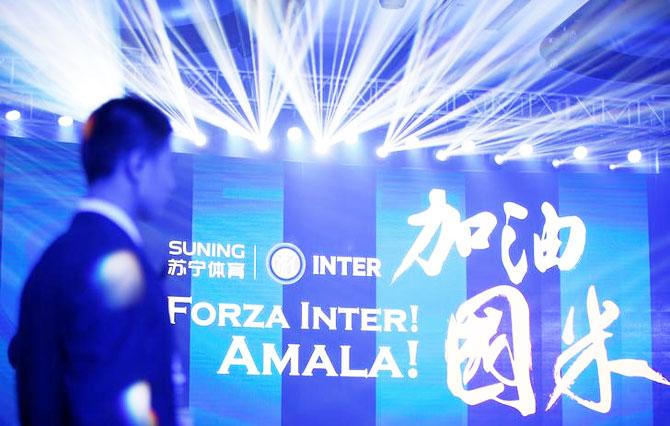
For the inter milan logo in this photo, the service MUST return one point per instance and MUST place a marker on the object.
(285, 263)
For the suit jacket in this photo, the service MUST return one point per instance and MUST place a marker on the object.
(93, 337)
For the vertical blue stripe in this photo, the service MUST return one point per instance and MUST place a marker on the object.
(615, 261)
(659, 260)
(488, 192)
(425, 400)
(235, 201)
(174, 224)
(329, 211)
(42, 184)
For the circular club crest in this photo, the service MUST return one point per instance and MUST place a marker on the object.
(285, 263)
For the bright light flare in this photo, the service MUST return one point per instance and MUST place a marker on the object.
(580, 152)
(468, 146)
(556, 163)
(13, 115)
(199, 139)
(321, 148)
(382, 152)
(65, 121)
(263, 144)
(442, 154)
(525, 150)
(294, 134)
(352, 140)
(634, 156)
(499, 159)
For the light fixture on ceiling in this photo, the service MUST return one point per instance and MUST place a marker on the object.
(525, 149)
(65, 121)
(13, 115)
(392, 4)
(580, 152)
(294, 134)
(635, 156)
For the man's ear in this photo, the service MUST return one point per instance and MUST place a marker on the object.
(133, 163)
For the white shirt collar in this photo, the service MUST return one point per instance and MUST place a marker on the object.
(113, 213)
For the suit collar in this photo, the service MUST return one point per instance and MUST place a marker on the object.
(113, 213)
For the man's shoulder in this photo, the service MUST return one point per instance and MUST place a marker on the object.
(89, 237)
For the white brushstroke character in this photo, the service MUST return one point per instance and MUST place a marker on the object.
(476, 341)
(515, 272)
(591, 348)
(442, 217)
(546, 248)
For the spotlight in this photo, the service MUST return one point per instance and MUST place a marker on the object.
(13, 115)
(199, 139)
(499, 159)
(65, 121)
(263, 144)
(525, 149)
(442, 154)
(351, 140)
(468, 146)
(556, 163)
(321, 148)
(580, 152)
(294, 134)
(382, 152)
(635, 156)
(613, 166)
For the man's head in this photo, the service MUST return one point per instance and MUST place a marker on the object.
(127, 141)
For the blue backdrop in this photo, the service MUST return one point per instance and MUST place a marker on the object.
(393, 259)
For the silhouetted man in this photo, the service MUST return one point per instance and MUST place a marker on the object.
(93, 345)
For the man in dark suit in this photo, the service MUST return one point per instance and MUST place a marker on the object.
(93, 344)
